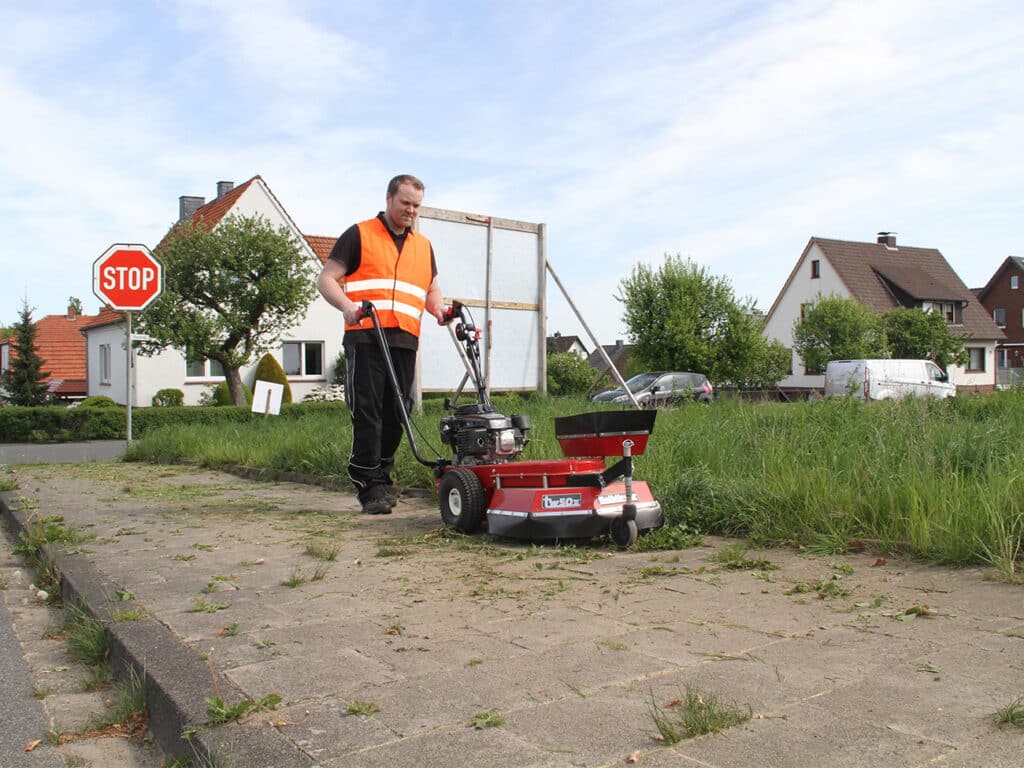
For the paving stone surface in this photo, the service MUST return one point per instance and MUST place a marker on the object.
(388, 637)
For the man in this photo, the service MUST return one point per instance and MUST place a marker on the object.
(382, 260)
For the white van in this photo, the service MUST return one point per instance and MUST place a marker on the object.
(886, 379)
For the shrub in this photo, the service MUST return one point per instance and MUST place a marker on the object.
(340, 365)
(268, 369)
(569, 374)
(221, 395)
(168, 398)
(97, 401)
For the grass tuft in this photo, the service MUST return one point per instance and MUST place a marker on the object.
(695, 714)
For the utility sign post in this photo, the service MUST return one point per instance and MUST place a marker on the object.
(127, 278)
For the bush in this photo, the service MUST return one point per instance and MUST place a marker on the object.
(569, 374)
(268, 369)
(98, 401)
(168, 398)
(340, 365)
(221, 395)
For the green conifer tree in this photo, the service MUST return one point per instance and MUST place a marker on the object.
(24, 379)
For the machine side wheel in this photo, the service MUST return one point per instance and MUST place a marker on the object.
(462, 500)
(623, 532)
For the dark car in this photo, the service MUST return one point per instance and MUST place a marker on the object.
(665, 388)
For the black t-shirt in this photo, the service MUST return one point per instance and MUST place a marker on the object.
(348, 251)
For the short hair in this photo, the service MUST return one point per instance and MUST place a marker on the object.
(401, 179)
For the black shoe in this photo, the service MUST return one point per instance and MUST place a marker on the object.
(379, 506)
(391, 495)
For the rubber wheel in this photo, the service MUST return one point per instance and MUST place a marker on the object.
(623, 532)
(462, 500)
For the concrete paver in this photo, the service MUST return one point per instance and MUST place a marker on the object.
(573, 645)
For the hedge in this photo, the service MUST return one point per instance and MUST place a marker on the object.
(44, 424)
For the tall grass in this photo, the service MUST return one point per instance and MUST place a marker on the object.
(941, 480)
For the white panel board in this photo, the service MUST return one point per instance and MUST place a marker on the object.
(461, 250)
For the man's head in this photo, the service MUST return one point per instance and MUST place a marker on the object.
(405, 195)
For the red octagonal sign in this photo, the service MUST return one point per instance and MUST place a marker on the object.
(127, 277)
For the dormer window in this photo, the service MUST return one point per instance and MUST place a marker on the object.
(952, 311)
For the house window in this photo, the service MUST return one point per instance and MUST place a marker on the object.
(952, 311)
(303, 358)
(804, 309)
(5, 357)
(203, 369)
(1001, 361)
(976, 359)
(999, 315)
(815, 268)
(104, 363)
(1014, 282)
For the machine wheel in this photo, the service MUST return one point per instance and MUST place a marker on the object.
(623, 532)
(462, 500)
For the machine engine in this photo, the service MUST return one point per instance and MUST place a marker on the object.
(480, 435)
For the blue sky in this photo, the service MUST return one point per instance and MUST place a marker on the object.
(728, 132)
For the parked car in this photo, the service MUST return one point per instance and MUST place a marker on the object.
(886, 379)
(662, 388)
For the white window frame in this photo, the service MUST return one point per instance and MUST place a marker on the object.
(211, 370)
(1014, 282)
(105, 359)
(303, 348)
(975, 354)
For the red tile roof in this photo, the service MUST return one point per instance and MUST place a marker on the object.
(321, 246)
(61, 345)
(107, 316)
(207, 216)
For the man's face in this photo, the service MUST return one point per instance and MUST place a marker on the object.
(403, 206)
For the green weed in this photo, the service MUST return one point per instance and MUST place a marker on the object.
(361, 708)
(492, 718)
(1012, 713)
(696, 714)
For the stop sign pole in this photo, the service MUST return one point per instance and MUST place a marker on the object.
(127, 278)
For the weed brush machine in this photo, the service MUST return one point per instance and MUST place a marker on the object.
(484, 486)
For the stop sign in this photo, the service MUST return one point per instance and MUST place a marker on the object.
(127, 277)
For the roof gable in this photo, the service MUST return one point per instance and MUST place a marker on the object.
(1010, 264)
(886, 277)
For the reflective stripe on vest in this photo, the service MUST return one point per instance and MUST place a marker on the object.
(396, 284)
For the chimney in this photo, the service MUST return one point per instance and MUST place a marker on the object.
(223, 187)
(72, 314)
(888, 239)
(188, 205)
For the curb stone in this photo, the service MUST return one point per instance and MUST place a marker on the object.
(176, 679)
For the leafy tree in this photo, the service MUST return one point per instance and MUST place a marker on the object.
(75, 304)
(838, 328)
(568, 374)
(228, 294)
(24, 378)
(680, 317)
(915, 334)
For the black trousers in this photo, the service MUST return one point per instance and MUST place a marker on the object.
(376, 418)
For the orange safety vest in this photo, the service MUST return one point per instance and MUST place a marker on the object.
(397, 284)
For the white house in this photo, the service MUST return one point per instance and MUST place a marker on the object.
(884, 276)
(307, 352)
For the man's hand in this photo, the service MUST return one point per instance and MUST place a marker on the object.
(353, 314)
(441, 313)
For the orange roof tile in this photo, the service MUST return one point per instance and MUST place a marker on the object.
(321, 246)
(207, 216)
(61, 345)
